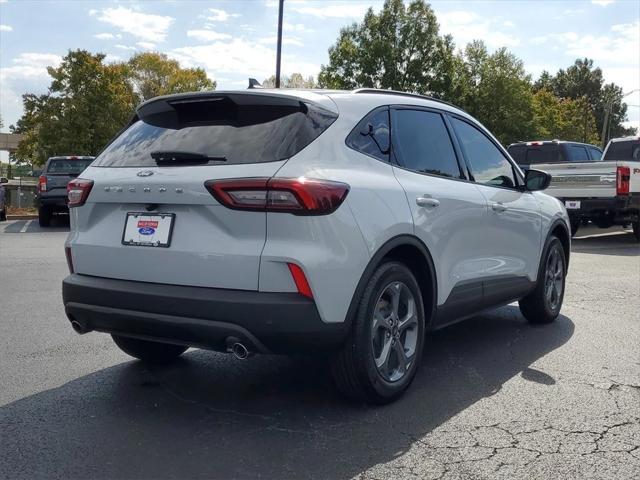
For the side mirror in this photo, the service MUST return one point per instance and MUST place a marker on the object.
(4, 180)
(536, 180)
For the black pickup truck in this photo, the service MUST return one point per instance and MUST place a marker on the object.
(52, 185)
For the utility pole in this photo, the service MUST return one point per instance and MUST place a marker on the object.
(607, 113)
(279, 48)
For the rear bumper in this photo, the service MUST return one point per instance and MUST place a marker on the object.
(621, 208)
(58, 201)
(200, 317)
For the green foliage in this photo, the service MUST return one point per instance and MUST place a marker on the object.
(564, 119)
(296, 80)
(89, 101)
(152, 74)
(399, 48)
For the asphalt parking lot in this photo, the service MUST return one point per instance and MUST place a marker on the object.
(496, 398)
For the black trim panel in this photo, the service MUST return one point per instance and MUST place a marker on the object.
(198, 316)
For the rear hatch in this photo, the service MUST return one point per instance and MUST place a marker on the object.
(157, 168)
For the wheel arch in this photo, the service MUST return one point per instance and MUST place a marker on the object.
(559, 229)
(416, 256)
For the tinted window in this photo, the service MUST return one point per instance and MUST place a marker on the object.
(239, 132)
(596, 154)
(371, 135)
(68, 167)
(545, 153)
(518, 153)
(423, 144)
(577, 153)
(624, 150)
(488, 164)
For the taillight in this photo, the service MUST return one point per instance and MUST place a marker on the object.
(42, 183)
(67, 252)
(78, 191)
(300, 280)
(623, 177)
(300, 196)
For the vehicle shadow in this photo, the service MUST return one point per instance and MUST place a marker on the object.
(210, 415)
(612, 242)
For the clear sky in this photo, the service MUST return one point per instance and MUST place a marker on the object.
(234, 40)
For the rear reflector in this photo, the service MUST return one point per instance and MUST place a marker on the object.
(623, 177)
(67, 252)
(77, 192)
(300, 280)
(299, 196)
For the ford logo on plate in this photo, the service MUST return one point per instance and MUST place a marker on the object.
(146, 231)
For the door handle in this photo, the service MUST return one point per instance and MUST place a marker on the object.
(427, 202)
(499, 207)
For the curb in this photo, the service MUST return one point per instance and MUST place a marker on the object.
(21, 217)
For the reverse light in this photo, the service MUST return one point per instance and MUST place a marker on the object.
(300, 280)
(42, 183)
(623, 177)
(77, 192)
(299, 196)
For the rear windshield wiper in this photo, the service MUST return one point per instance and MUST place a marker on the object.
(168, 158)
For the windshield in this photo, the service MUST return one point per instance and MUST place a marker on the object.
(625, 150)
(222, 130)
(68, 166)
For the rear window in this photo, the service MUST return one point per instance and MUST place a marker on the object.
(625, 150)
(546, 153)
(68, 167)
(222, 128)
(518, 153)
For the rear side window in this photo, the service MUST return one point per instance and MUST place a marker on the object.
(546, 153)
(372, 136)
(67, 167)
(577, 153)
(625, 150)
(596, 154)
(488, 165)
(233, 131)
(422, 143)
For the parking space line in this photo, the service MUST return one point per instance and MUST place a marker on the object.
(26, 225)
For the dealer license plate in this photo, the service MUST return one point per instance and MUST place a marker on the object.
(148, 230)
(572, 204)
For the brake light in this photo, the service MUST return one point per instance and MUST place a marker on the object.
(300, 280)
(299, 196)
(623, 177)
(67, 252)
(42, 183)
(78, 191)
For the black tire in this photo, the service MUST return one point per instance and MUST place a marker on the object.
(354, 366)
(636, 230)
(151, 352)
(575, 226)
(3, 215)
(44, 216)
(537, 307)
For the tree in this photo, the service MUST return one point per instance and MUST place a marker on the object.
(495, 89)
(584, 81)
(296, 80)
(565, 119)
(87, 103)
(152, 74)
(399, 48)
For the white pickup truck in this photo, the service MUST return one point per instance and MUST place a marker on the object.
(605, 192)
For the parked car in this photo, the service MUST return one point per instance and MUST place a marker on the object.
(552, 151)
(280, 221)
(604, 192)
(51, 194)
(3, 199)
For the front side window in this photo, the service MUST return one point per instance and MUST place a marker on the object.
(488, 165)
(371, 135)
(422, 143)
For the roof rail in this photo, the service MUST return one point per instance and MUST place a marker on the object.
(404, 94)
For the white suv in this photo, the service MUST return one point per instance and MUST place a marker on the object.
(281, 221)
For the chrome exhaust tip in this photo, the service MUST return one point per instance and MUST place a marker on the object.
(240, 351)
